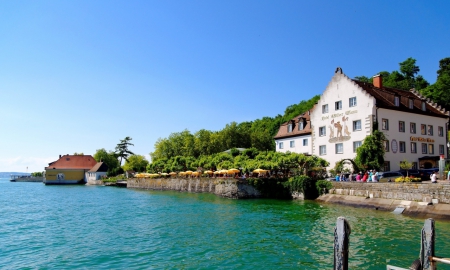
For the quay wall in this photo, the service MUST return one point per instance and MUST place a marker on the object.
(417, 199)
(228, 188)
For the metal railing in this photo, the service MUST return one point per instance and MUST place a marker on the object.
(426, 261)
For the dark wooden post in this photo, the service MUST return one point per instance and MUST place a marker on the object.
(341, 244)
(427, 245)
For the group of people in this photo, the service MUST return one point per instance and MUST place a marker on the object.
(368, 176)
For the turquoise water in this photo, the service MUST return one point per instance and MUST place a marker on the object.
(82, 227)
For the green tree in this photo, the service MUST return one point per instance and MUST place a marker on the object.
(439, 92)
(370, 155)
(137, 163)
(109, 158)
(406, 78)
(122, 150)
(406, 165)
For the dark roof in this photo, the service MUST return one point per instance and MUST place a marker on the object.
(385, 99)
(99, 167)
(283, 130)
(84, 162)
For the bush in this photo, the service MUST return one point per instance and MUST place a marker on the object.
(407, 179)
(323, 186)
(271, 187)
(303, 184)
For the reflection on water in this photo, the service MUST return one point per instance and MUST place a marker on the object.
(114, 228)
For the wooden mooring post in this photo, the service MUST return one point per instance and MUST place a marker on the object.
(341, 244)
(427, 259)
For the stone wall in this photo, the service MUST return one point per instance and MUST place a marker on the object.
(418, 192)
(229, 188)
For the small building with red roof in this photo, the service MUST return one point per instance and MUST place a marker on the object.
(69, 169)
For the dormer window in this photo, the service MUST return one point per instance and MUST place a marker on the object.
(290, 127)
(396, 101)
(411, 103)
(301, 124)
(424, 106)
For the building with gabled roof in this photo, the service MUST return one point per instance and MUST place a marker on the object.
(295, 135)
(69, 169)
(414, 126)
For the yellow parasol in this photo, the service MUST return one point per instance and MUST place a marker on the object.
(233, 171)
(259, 171)
(188, 172)
(208, 172)
(173, 173)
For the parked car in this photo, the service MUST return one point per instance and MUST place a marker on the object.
(425, 173)
(413, 173)
(388, 176)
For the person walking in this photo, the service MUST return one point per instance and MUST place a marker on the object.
(375, 176)
(358, 177)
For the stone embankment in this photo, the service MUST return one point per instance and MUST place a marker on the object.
(228, 188)
(417, 199)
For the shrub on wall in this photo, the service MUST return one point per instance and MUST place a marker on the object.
(271, 187)
(303, 184)
(323, 186)
(407, 179)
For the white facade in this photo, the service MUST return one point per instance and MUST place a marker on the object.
(341, 120)
(298, 144)
(401, 139)
(345, 114)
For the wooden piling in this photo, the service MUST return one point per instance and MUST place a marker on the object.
(341, 244)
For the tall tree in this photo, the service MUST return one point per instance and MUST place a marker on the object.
(122, 150)
(370, 154)
(406, 78)
(439, 92)
(137, 163)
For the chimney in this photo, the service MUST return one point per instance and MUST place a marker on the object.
(59, 156)
(378, 81)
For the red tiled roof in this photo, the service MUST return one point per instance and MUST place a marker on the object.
(85, 162)
(385, 99)
(283, 130)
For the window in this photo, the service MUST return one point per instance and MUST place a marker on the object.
(387, 166)
(424, 106)
(413, 128)
(424, 148)
(430, 130)
(352, 102)
(401, 126)
(413, 147)
(356, 125)
(300, 125)
(414, 166)
(290, 127)
(292, 144)
(356, 145)
(384, 124)
(411, 103)
(280, 145)
(441, 149)
(423, 129)
(386, 145)
(305, 142)
(338, 105)
(402, 146)
(325, 108)
(322, 150)
(397, 101)
(431, 149)
(339, 148)
(322, 131)
(441, 131)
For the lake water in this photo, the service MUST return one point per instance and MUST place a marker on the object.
(84, 227)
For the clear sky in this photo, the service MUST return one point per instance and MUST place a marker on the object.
(77, 76)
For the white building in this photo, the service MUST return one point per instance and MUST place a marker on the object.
(415, 128)
(295, 135)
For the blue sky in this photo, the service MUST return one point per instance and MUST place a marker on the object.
(77, 76)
